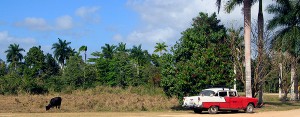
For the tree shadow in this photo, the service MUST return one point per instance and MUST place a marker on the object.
(291, 103)
(179, 108)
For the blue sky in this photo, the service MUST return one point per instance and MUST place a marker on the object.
(96, 22)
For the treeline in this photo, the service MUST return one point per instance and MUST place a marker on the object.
(207, 54)
(67, 70)
(200, 58)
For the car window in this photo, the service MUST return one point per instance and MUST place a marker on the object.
(207, 93)
(222, 94)
(232, 93)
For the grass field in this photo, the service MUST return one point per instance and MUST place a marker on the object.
(92, 100)
(106, 99)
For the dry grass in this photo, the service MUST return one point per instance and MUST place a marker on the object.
(92, 100)
(113, 100)
(273, 103)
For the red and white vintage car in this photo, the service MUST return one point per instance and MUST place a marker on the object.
(219, 99)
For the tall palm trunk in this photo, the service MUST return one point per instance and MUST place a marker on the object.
(84, 56)
(296, 85)
(294, 79)
(247, 39)
(84, 64)
(293, 83)
(279, 81)
(234, 70)
(260, 23)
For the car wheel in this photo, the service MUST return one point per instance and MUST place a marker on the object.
(249, 108)
(213, 110)
(198, 110)
(234, 111)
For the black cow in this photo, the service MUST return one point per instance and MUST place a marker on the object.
(54, 102)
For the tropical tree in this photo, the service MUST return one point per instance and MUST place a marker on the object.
(247, 41)
(34, 61)
(51, 66)
(201, 58)
(2, 68)
(62, 51)
(73, 72)
(83, 48)
(122, 47)
(14, 55)
(287, 15)
(137, 54)
(160, 47)
(229, 6)
(108, 51)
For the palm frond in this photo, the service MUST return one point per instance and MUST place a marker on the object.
(218, 4)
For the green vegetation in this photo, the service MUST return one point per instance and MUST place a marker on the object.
(201, 58)
(207, 54)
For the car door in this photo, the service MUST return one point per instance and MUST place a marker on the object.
(223, 95)
(234, 100)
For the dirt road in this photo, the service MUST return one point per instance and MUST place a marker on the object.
(290, 113)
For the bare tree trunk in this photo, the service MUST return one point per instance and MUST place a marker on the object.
(84, 64)
(84, 56)
(280, 77)
(296, 83)
(284, 96)
(247, 39)
(234, 70)
(260, 23)
(293, 84)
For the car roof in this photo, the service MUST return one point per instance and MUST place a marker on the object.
(220, 89)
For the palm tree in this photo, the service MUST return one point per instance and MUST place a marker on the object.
(260, 22)
(62, 51)
(108, 51)
(122, 47)
(14, 55)
(138, 56)
(287, 15)
(83, 48)
(160, 47)
(247, 40)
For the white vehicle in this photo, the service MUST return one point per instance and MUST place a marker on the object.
(215, 99)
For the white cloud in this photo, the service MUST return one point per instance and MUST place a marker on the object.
(33, 23)
(118, 38)
(84, 11)
(39, 24)
(150, 37)
(164, 20)
(88, 13)
(6, 40)
(64, 23)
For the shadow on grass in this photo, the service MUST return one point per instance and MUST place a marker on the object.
(294, 103)
(279, 106)
(179, 108)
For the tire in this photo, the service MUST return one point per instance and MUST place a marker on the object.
(234, 111)
(249, 108)
(213, 110)
(198, 110)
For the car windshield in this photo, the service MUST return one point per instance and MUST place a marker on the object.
(207, 93)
